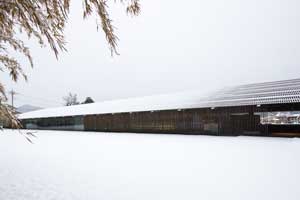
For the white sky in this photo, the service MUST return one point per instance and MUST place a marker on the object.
(172, 46)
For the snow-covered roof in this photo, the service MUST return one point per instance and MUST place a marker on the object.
(287, 91)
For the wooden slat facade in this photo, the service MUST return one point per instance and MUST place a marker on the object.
(239, 120)
(242, 120)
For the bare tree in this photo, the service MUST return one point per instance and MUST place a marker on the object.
(70, 100)
(45, 21)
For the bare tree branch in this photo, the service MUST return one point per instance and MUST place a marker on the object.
(45, 21)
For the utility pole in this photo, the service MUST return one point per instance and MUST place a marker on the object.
(12, 93)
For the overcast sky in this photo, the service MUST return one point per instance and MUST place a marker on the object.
(172, 46)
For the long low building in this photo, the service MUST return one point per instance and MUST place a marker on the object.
(266, 109)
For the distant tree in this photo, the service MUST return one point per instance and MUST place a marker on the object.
(44, 21)
(88, 100)
(70, 100)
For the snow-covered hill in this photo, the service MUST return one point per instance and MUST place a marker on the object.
(27, 108)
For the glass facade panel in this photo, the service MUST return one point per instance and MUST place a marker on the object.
(55, 123)
(280, 118)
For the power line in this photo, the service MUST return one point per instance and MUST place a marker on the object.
(38, 101)
(41, 99)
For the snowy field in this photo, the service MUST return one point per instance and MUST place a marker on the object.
(109, 166)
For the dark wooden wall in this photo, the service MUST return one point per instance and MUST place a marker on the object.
(192, 121)
(239, 120)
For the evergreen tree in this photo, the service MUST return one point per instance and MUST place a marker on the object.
(88, 100)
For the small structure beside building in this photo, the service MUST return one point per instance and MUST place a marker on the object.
(262, 109)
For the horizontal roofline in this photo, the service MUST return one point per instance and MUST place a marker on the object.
(277, 92)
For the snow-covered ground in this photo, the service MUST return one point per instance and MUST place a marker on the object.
(80, 165)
